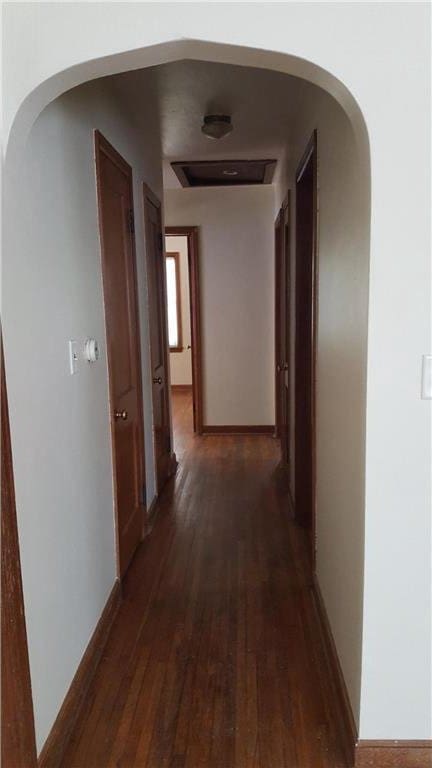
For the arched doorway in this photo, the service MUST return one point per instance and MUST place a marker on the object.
(355, 146)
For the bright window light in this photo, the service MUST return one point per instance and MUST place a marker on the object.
(173, 298)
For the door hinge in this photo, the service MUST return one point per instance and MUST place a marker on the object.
(131, 221)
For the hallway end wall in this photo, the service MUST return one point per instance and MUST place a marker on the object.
(52, 292)
(237, 298)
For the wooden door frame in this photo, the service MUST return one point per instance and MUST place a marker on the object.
(311, 152)
(103, 146)
(277, 262)
(147, 193)
(287, 222)
(192, 236)
(284, 245)
(18, 741)
(179, 348)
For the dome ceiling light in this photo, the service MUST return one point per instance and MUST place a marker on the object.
(217, 126)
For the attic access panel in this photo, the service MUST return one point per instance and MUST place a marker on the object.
(224, 173)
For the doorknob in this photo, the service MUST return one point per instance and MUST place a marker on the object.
(157, 380)
(120, 415)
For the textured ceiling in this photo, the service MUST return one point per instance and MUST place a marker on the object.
(262, 104)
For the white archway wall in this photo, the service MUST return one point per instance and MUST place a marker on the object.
(63, 468)
(347, 40)
(343, 277)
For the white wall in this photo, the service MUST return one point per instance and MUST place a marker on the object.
(181, 362)
(237, 298)
(61, 437)
(49, 47)
(343, 273)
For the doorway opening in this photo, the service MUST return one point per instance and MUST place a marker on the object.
(251, 319)
(184, 331)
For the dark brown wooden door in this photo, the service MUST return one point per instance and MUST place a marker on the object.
(282, 328)
(18, 746)
(123, 344)
(158, 336)
(305, 337)
(279, 353)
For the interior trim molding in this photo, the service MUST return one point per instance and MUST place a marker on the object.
(239, 429)
(393, 754)
(184, 170)
(359, 752)
(181, 387)
(54, 748)
(338, 690)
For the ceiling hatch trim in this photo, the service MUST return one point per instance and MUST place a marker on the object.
(224, 173)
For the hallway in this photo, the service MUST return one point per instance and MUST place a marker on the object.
(212, 659)
(208, 193)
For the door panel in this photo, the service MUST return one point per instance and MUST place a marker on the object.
(123, 346)
(282, 320)
(305, 338)
(285, 374)
(165, 460)
(278, 323)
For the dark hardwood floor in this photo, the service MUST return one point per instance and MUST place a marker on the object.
(213, 660)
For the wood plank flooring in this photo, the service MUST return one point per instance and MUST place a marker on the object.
(213, 660)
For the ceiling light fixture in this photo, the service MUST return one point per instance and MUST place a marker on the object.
(216, 126)
(230, 173)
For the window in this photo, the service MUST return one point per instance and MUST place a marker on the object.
(173, 298)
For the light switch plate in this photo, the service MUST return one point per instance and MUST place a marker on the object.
(73, 357)
(426, 384)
